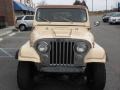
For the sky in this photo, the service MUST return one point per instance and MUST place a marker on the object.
(98, 4)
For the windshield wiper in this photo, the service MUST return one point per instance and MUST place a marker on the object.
(44, 19)
(67, 19)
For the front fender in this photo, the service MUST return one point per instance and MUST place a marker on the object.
(23, 23)
(96, 54)
(28, 53)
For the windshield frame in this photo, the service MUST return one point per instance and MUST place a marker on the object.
(45, 21)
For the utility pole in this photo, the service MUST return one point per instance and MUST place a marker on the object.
(106, 6)
(92, 6)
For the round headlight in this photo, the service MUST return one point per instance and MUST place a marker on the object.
(43, 47)
(81, 47)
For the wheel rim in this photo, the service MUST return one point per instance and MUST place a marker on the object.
(22, 28)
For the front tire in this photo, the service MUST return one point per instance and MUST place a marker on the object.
(110, 23)
(96, 76)
(22, 27)
(25, 75)
(104, 20)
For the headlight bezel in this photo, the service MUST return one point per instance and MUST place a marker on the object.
(83, 45)
(43, 44)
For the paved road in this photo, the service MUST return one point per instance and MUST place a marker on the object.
(106, 35)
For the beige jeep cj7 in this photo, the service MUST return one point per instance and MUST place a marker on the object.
(61, 42)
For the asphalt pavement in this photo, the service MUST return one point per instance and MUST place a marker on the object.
(108, 36)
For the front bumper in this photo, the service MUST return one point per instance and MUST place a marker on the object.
(114, 21)
(60, 69)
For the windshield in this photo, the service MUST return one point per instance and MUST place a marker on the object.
(109, 14)
(116, 15)
(61, 15)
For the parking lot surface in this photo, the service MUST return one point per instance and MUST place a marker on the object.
(108, 36)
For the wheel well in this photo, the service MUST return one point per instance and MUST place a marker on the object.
(22, 24)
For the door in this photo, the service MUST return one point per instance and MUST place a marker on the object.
(29, 21)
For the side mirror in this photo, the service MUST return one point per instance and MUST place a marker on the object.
(97, 23)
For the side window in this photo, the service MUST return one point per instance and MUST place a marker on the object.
(29, 18)
(32, 17)
(118, 15)
(19, 18)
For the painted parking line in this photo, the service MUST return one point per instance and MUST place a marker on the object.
(10, 48)
(8, 52)
(7, 57)
(12, 34)
(1, 39)
(5, 33)
(9, 33)
(4, 51)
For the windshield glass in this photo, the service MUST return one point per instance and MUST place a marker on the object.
(61, 15)
(116, 15)
(109, 14)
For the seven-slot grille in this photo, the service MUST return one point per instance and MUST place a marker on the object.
(61, 52)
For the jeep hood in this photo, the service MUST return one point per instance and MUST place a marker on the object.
(76, 32)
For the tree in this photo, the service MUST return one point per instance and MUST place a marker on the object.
(43, 2)
(77, 2)
(84, 3)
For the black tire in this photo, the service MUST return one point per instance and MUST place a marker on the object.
(104, 21)
(16, 55)
(96, 76)
(25, 75)
(22, 27)
(110, 23)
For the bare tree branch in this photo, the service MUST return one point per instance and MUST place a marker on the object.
(43, 2)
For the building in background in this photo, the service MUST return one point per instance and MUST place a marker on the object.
(9, 9)
(6, 13)
(22, 9)
(119, 6)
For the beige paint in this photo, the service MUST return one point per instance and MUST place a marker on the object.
(28, 53)
(71, 30)
(75, 32)
(96, 54)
